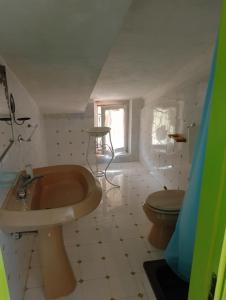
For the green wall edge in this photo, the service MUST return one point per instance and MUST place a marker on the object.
(212, 210)
(4, 293)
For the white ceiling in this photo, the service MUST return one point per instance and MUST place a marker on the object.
(160, 41)
(57, 48)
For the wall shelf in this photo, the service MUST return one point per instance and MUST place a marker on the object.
(178, 137)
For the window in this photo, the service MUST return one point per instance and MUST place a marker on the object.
(114, 116)
(164, 120)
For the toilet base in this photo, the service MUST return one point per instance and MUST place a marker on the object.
(160, 235)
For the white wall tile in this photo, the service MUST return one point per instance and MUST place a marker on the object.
(170, 161)
(66, 137)
(17, 253)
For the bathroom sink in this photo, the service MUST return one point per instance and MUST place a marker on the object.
(98, 131)
(65, 193)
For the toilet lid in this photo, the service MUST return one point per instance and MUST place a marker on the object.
(166, 201)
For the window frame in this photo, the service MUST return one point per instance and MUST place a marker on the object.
(111, 106)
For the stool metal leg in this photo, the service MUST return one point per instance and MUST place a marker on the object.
(112, 157)
(99, 173)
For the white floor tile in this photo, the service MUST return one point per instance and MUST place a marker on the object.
(73, 252)
(136, 298)
(86, 222)
(109, 233)
(89, 235)
(124, 287)
(77, 270)
(90, 252)
(144, 282)
(129, 231)
(107, 248)
(93, 269)
(118, 266)
(113, 249)
(97, 289)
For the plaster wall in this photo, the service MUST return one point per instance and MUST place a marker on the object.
(58, 48)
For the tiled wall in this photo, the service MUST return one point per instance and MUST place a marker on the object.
(170, 161)
(66, 137)
(17, 252)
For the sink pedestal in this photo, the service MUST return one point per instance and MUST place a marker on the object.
(58, 276)
(64, 193)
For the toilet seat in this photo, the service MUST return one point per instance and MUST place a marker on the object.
(166, 202)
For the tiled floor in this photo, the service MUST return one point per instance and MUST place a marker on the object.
(107, 247)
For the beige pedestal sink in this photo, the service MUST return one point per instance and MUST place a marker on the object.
(64, 194)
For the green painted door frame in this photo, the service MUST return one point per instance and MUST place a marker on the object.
(212, 210)
(220, 292)
(4, 293)
(212, 215)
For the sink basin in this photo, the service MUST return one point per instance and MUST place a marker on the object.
(65, 193)
(98, 131)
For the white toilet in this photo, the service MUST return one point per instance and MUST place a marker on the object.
(162, 209)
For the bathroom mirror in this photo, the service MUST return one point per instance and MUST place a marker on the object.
(6, 130)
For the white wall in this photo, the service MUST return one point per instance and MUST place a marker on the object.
(134, 130)
(66, 136)
(170, 162)
(17, 252)
(33, 152)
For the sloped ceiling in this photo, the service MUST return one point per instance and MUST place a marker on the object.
(57, 48)
(160, 41)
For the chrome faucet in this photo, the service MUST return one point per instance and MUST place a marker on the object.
(24, 182)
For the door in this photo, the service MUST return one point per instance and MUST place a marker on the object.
(220, 292)
(208, 270)
(115, 117)
(4, 293)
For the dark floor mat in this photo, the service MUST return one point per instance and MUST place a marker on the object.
(165, 283)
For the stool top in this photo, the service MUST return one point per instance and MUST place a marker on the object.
(168, 201)
(98, 131)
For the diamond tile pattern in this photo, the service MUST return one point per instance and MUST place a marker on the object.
(107, 247)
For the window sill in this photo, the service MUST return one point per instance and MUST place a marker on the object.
(121, 154)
